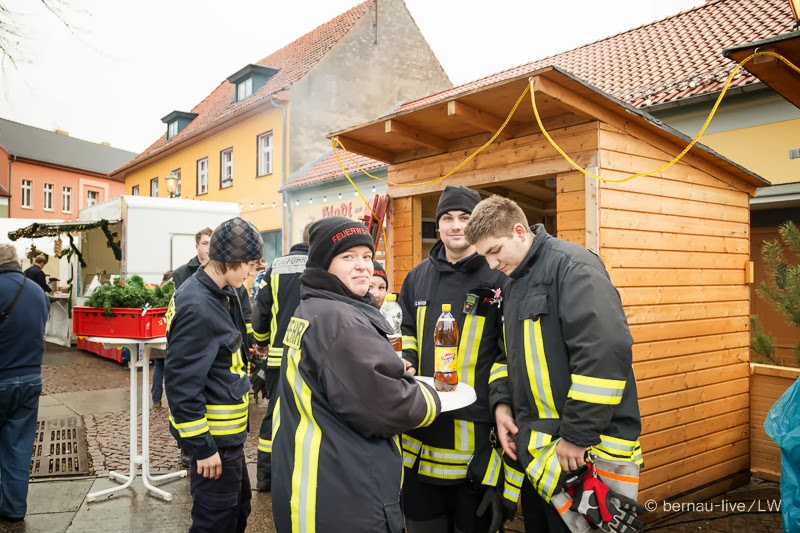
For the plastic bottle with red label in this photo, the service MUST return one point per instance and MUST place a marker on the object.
(445, 341)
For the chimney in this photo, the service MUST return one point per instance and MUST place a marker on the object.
(105, 143)
(62, 132)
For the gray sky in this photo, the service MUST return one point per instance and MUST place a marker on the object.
(128, 63)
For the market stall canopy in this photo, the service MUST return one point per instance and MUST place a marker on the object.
(53, 229)
(773, 72)
(563, 100)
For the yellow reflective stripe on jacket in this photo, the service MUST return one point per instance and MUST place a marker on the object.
(249, 326)
(262, 284)
(538, 373)
(237, 364)
(190, 429)
(420, 330)
(227, 412)
(430, 403)
(442, 463)
(307, 440)
(276, 417)
(545, 470)
(617, 449)
(228, 427)
(513, 483)
(411, 448)
(261, 337)
(264, 445)
(596, 390)
(274, 279)
(471, 336)
(464, 435)
(170, 312)
(492, 476)
(499, 371)
(444, 455)
(274, 357)
(441, 471)
(409, 343)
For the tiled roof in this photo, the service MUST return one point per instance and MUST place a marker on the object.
(293, 61)
(660, 60)
(47, 146)
(326, 167)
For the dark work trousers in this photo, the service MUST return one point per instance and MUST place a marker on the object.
(426, 502)
(264, 468)
(221, 505)
(539, 515)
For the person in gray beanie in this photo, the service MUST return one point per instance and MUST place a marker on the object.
(344, 396)
(206, 378)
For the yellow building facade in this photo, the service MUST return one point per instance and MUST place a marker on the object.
(247, 187)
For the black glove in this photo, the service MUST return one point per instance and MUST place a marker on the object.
(258, 377)
(602, 507)
(501, 512)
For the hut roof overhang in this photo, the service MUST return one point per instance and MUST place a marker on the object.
(562, 100)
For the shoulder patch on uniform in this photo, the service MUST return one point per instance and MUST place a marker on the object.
(170, 311)
(294, 332)
(289, 264)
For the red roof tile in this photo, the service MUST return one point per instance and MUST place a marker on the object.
(327, 167)
(293, 61)
(659, 59)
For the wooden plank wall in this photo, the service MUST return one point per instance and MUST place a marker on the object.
(676, 248)
(767, 384)
(571, 207)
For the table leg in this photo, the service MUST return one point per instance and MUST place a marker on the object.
(126, 480)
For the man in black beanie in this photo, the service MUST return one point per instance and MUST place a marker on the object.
(206, 380)
(450, 464)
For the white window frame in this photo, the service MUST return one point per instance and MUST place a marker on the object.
(264, 154)
(172, 129)
(47, 197)
(244, 89)
(202, 176)
(154, 187)
(27, 193)
(92, 201)
(226, 168)
(135, 190)
(66, 199)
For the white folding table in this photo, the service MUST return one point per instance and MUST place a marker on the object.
(140, 358)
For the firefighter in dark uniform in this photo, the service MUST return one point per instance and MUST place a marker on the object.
(451, 463)
(568, 391)
(206, 379)
(344, 397)
(278, 297)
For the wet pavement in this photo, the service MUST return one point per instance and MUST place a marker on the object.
(97, 389)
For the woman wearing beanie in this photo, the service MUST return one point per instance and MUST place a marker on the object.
(344, 397)
(379, 283)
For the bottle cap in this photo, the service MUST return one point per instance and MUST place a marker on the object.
(390, 297)
(446, 307)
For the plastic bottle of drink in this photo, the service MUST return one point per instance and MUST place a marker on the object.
(445, 341)
(393, 314)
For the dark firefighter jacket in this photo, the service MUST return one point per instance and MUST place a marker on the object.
(569, 371)
(278, 297)
(206, 379)
(446, 447)
(184, 272)
(344, 400)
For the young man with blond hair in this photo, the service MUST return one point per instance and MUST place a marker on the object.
(570, 391)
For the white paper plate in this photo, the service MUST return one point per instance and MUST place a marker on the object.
(463, 396)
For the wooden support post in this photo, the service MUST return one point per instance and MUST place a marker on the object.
(478, 118)
(417, 136)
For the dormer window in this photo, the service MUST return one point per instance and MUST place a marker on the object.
(250, 79)
(176, 121)
(244, 89)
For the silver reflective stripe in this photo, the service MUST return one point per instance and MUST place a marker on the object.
(494, 465)
(541, 392)
(211, 413)
(306, 466)
(442, 471)
(540, 440)
(462, 434)
(449, 455)
(466, 355)
(514, 476)
(599, 391)
(616, 446)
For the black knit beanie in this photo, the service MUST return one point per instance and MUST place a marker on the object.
(456, 198)
(236, 240)
(379, 270)
(328, 237)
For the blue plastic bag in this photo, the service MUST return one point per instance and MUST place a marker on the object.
(783, 426)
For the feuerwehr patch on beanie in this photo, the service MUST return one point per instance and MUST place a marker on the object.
(236, 240)
(456, 198)
(331, 236)
(379, 270)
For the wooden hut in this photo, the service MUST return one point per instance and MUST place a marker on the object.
(676, 244)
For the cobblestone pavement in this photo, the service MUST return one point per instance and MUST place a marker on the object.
(68, 370)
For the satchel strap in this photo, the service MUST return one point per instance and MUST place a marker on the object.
(7, 310)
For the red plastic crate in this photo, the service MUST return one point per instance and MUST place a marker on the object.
(125, 323)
